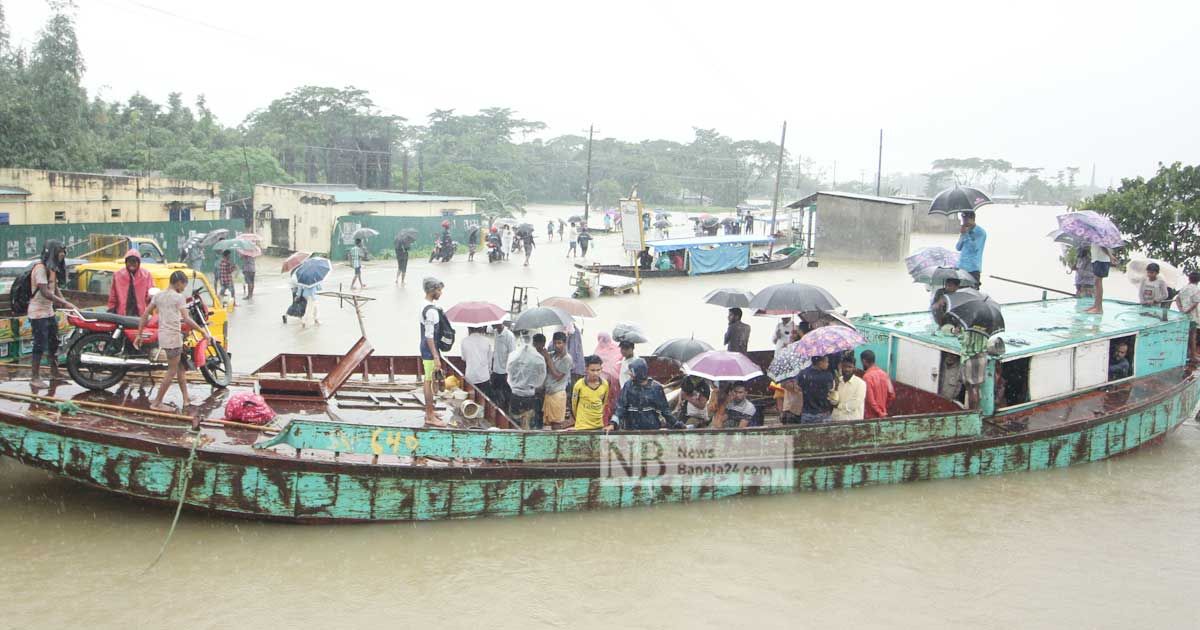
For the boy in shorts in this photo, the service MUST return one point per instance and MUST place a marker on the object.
(431, 358)
(171, 307)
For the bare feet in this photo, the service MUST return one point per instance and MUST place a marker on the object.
(434, 421)
(38, 383)
(161, 407)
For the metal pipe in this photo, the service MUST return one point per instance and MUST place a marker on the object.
(1035, 286)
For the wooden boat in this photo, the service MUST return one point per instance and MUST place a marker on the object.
(705, 255)
(362, 456)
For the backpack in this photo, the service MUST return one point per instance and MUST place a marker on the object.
(443, 333)
(22, 291)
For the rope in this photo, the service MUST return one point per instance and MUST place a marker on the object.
(182, 480)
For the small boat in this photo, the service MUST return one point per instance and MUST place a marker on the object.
(697, 255)
(363, 455)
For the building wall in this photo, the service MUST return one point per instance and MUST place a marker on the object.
(855, 229)
(933, 223)
(91, 198)
(311, 216)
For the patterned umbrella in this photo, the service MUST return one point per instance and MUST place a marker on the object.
(293, 261)
(794, 296)
(787, 365)
(729, 298)
(1090, 227)
(682, 349)
(828, 340)
(958, 199)
(719, 365)
(931, 257)
(476, 314)
(572, 306)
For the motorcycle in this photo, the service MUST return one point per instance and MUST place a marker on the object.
(103, 353)
(495, 249)
(443, 251)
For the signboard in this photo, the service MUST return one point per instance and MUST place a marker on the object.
(631, 225)
(212, 204)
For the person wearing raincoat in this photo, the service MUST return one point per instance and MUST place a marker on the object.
(642, 405)
(129, 292)
(526, 373)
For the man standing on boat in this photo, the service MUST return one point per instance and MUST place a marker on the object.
(974, 363)
(526, 373)
(477, 354)
(971, 240)
(851, 392)
(737, 335)
(505, 342)
(817, 384)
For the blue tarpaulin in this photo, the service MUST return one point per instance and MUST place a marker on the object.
(690, 242)
(718, 259)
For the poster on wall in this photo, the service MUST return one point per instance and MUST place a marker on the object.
(631, 225)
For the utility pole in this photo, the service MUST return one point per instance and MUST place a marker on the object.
(420, 171)
(879, 168)
(405, 171)
(587, 189)
(778, 176)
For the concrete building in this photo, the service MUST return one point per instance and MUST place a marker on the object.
(303, 216)
(926, 223)
(33, 197)
(859, 227)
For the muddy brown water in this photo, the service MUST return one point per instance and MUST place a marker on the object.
(1111, 544)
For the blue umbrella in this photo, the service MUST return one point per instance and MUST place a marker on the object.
(312, 271)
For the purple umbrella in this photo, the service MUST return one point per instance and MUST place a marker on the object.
(719, 365)
(1090, 227)
(931, 257)
(828, 340)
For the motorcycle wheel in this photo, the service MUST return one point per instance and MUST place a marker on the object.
(217, 368)
(94, 376)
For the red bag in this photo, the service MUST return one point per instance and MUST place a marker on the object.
(248, 407)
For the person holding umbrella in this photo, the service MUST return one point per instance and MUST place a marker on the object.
(403, 244)
(357, 253)
(970, 244)
(225, 269)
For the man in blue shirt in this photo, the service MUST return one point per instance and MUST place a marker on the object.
(971, 240)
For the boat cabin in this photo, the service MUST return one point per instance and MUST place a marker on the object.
(706, 254)
(1051, 349)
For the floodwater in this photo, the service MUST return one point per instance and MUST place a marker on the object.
(1108, 545)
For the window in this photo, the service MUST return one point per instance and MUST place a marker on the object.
(149, 253)
(3, 218)
(115, 213)
(60, 215)
(98, 281)
(1120, 358)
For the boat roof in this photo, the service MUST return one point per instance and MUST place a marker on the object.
(1034, 327)
(689, 242)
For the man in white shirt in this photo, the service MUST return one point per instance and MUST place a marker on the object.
(851, 392)
(627, 357)
(505, 343)
(431, 357)
(783, 334)
(477, 353)
(1189, 304)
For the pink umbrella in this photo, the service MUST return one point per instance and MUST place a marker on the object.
(252, 237)
(828, 340)
(476, 314)
(719, 365)
(570, 305)
(293, 261)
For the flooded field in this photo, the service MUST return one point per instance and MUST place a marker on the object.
(1106, 545)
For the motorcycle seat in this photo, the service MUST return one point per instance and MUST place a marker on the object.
(121, 320)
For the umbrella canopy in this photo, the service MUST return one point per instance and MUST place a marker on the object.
(1065, 238)
(540, 317)
(931, 257)
(817, 319)
(662, 223)
(710, 221)
(364, 233)
(794, 296)
(575, 218)
(193, 242)
(233, 243)
(312, 271)
(407, 235)
(632, 333)
(572, 306)
(1136, 272)
(787, 365)
(729, 298)
(972, 310)
(505, 221)
(937, 276)
(525, 228)
(253, 252)
(720, 365)
(212, 237)
(827, 340)
(729, 220)
(1093, 228)
(476, 314)
(681, 349)
(958, 199)
(293, 261)
(252, 237)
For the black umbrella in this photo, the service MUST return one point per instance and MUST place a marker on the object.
(682, 349)
(729, 220)
(471, 232)
(937, 276)
(794, 296)
(662, 223)
(407, 235)
(710, 221)
(575, 218)
(975, 311)
(525, 228)
(729, 298)
(958, 199)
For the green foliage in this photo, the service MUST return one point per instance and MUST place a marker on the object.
(237, 169)
(1159, 216)
(973, 171)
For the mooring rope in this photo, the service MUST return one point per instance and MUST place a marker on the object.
(182, 480)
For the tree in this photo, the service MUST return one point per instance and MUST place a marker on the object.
(937, 181)
(1159, 216)
(973, 171)
(606, 193)
(236, 169)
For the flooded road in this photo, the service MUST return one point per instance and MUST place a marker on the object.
(1112, 544)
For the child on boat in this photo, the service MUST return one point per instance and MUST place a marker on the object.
(171, 307)
(1188, 301)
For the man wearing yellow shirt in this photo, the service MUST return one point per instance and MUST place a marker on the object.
(589, 397)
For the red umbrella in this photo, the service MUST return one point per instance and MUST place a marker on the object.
(476, 314)
(719, 365)
(293, 261)
(570, 305)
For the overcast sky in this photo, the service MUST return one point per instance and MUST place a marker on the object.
(1044, 83)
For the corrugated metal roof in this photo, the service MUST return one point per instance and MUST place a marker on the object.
(13, 190)
(367, 196)
(807, 201)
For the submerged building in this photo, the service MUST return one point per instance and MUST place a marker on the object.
(858, 227)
